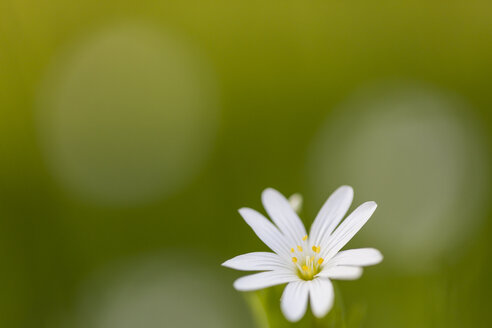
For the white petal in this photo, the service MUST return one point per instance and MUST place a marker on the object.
(263, 280)
(294, 300)
(266, 231)
(258, 261)
(347, 229)
(295, 202)
(331, 213)
(280, 211)
(341, 272)
(322, 296)
(357, 257)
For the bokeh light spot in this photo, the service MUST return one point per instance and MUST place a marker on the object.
(167, 290)
(128, 115)
(417, 153)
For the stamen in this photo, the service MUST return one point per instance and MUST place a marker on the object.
(308, 263)
(305, 238)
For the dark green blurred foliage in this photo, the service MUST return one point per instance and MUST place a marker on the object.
(281, 68)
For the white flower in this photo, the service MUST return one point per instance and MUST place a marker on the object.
(305, 262)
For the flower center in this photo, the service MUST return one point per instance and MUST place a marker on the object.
(307, 260)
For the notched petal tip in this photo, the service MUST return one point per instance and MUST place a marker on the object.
(267, 192)
(244, 210)
(269, 189)
(378, 256)
(320, 314)
(346, 188)
(271, 193)
(239, 287)
(248, 214)
(292, 318)
(368, 207)
(227, 264)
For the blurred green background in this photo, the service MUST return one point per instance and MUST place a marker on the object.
(131, 132)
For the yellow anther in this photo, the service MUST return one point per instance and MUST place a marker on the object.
(314, 248)
(304, 238)
(294, 259)
(299, 248)
(318, 249)
(320, 261)
(305, 268)
(292, 250)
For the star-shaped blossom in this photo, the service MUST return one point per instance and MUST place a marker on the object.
(306, 262)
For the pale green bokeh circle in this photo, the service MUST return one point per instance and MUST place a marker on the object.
(166, 290)
(128, 114)
(420, 156)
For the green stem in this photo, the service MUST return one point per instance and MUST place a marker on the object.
(258, 310)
